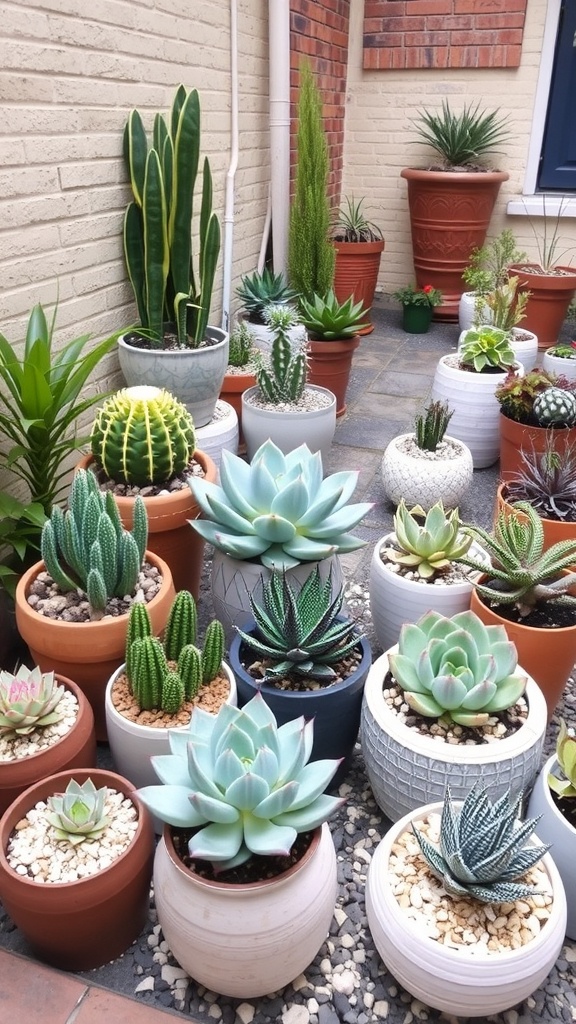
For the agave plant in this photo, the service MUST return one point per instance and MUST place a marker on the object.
(428, 549)
(278, 508)
(456, 668)
(485, 348)
(28, 700)
(483, 849)
(78, 813)
(257, 291)
(243, 782)
(566, 754)
(299, 632)
(461, 138)
(326, 319)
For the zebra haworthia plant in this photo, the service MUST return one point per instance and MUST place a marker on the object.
(29, 700)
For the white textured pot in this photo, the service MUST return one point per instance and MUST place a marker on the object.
(463, 981)
(476, 418)
(466, 309)
(425, 478)
(395, 600)
(247, 940)
(233, 580)
(559, 365)
(555, 829)
(221, 432)
(194, 375)
(406, 768)
(289, 427)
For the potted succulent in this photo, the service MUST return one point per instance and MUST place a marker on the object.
(418, 306)
(160, 684)
(277, 512)
(72, 607)
(560, 359)
(451, 203)
(427, 465)
(359, 246)
(46, 726)
(547, 481)
(467, 380)
(553, 802)
(241, 372)
(282, 406)
(173, 347)
(256, 292)
(305, 658)
(334, 330)
(487, 270)
(245, 872)
(484, 879)
(530, 590)
(143, 442)
(76, 851)
(530, 405)
(449, 703)
(507, 307)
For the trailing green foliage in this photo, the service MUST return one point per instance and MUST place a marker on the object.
(326, 319)
(565, 786)
(282, 378)
(430, 428)
(29, 700)
(257, 291)
(429, 548)
(461, 139)
(20, 528)
(78, 813)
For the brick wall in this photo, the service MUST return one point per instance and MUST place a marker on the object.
(443, 33)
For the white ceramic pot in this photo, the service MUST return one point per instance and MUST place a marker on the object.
(233, 580)
(288, 427)
(476, 418)
(558, 365)
(221, 432)
(466, 311)
(406, 768)
(555, 829)
(247, 940)
(461, 982)
(523, 343)
(194, 375)
(423, 479)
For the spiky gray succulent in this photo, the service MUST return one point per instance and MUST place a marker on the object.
(431, 547)
(486, 348)
(244, 782)
(547, 480)
(555, 406)
(483, 849)
(456, 668)
(565, 786)
(78, 813)
(278, 508)
(28, 700)
(300, 631)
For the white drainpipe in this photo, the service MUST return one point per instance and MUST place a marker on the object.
(279, 64)
(230, 176)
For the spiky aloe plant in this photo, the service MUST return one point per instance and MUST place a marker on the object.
(547, 480)
(326, 319)
(483, 852)
(283, 377)
(565, 786)
(78, 813)
(300, 633)
(464, 137)
(431, 426)
(29, 700)
(431, 547)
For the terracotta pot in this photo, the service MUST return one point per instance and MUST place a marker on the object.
(233, 387)
(170, 535)
(77, 749)
(548, 655)
(87, 651)
(554, 529)
(516, 436)
(356, 272)
(77, 926)
(449, 216)
(416, 319)
(329, 366)
(550, 296)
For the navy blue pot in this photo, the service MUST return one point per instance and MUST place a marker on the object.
(335, 709)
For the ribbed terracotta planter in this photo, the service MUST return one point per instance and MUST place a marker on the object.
(77, 926)
(329, 366)
(516, 436)
(356, 272)
(550, 296)
(449, 216)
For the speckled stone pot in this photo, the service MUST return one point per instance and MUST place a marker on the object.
(425, 478)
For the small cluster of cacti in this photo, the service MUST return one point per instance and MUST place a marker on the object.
(554, 407)
(87, 547)
(483, 849)
(257, 291)
(486, 348)
(163, 674)
(431, 426)
(428, 548)
(28, 700)
(299, 631)
(78, 813)
(241, 345)
(565, 786)
(283, 377)
(329, 320)
(142, 435)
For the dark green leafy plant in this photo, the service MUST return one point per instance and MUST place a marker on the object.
(257, 291)
(20, 528)
(461, 139)
(326, 319)
(411, 296)
(352, 226)
(431, 426)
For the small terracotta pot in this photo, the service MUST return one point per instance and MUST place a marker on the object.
(77, 926)
(356, 272)
(329, 366)
(516, 436)
(550, 296)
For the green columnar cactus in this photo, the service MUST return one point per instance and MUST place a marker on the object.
(143, 435)
(212, 651)
(190, 670)
(182, 625)
(431, 426)
(78, 814)
(139, 626)
(28, 700)
(172, 693)
(149, 671)
(283, 379)
(241, 345)
(87, 546)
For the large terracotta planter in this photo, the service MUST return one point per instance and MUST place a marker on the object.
(555, 829)
(246, 940)
(170, 535)
(548, 655)
(550, 296)
(77, 926)
(516, 436)
(87, 651)
(329, 366)
(356, 272)
(449, 216)
(76, 749)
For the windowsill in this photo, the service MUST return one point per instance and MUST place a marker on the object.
(549, 204)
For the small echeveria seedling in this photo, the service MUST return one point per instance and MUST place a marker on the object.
(78, 814)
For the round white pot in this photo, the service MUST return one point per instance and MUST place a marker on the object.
(407, 769)
(476, 418)
(466, 311)
(423, 479)
(288, 427)
(247, 940)
(555, 829)
(556, 364)
(221, 432)
(262, 336)
(462, 982)
(233, 580)
(194, 375)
